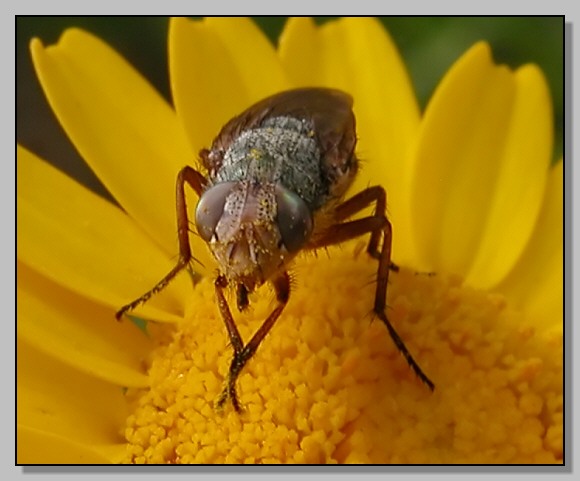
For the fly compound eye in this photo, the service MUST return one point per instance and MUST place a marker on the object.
(294, 219)
(210, 208)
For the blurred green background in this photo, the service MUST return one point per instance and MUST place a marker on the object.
(429, 45)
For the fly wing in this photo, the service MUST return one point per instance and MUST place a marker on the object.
(329, 110)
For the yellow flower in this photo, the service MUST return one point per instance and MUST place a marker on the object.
(472, 197)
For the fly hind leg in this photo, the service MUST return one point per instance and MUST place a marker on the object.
(357, 203)
(379, 227)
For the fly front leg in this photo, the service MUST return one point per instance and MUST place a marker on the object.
(377, 226)
(197, 182)
(242, 354)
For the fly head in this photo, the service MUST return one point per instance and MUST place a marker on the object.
(252, 229)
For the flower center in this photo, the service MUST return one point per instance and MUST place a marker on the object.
(328, 385)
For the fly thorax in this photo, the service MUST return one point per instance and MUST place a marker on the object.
(283, 150)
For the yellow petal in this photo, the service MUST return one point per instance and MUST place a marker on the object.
(121, 126)
(300, 52)
(517, 196)
(59, 401)
(536, 282)
(79, 332)
(459, 152)
(218, 68)
(83, 242)
(253, 54)
(358, 56)
(38, 447)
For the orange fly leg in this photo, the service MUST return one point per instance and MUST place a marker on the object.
(196, 181)
(376, 225)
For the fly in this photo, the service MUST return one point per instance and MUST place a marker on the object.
(276, 177)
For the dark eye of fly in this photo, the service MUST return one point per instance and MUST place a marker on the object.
(210, 209)
(294, 219)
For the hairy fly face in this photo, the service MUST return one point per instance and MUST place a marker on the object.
(252, 229)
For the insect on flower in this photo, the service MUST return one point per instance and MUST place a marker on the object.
(275, 182)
